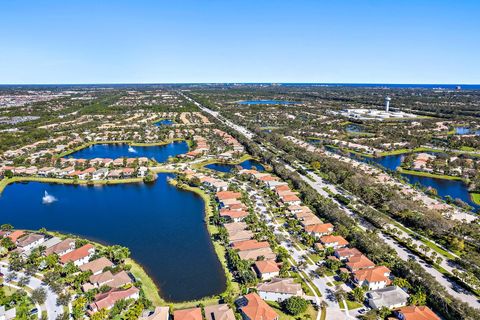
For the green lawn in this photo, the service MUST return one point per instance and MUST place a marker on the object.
(429, 175)
(352, 305)
(476, 198)
(148, 286)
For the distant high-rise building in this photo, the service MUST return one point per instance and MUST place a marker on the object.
(387, 103)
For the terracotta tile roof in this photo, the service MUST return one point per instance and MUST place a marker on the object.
(334, 239)
(320, 228)
(347, 252)
(77, 254)
(418, 313)
(250, 245)
(359, 262)
(290, 198)
(224, 195)
(188, 314)
(257, 309)
(376, 274)
(15, 235)
(266, 266)
(233, 214)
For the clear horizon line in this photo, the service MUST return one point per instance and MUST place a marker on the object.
(236, 82)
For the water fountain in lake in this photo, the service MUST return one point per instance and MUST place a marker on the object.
(131, 149)
(48, 198)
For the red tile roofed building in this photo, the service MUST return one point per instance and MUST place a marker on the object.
(372, 278)
(359, 262)
(188, 314)
(291, 199)
(283, 187)
(15, 235)
(318, 230)
(347, 253)
(225, 195)
(107, 300)
(79, 256)
(266, 269)
(253, 307)
(250, 245)
(334, 241)
(416, 313)
(235, 216)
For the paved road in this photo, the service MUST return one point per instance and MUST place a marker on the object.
(451, 287)
(334, 310)
(50, 304)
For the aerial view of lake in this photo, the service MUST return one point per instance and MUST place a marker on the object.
(465, 131)
(163, 226)
(164, 122)
(113, 151)
(267, 102)
(248, 164)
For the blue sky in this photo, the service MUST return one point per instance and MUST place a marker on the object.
(91, 41)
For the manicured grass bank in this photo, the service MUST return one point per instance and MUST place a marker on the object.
(475, 198)
(428, 175)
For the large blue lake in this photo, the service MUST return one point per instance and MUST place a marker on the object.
(113, 151)
(163, 227)
(248, 164)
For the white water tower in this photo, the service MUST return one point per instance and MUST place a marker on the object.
(387, 103)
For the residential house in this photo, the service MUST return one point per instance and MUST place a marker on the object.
(389, 297)
(109, 279)
(334, 241)
(279, 289)
(30, 241)
(257, 254)
(160, 313)
(416, 313)
(61, 248)
(97, 266)
(266, 269)
(188, 314)
(319, 230)
(360, 262)
(79, 256)
(15, 235)
(219, 312)
(252, 307)
(372, 278)
(346, 253)
(108, 299)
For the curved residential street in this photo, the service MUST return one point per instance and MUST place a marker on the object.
(50, 303)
